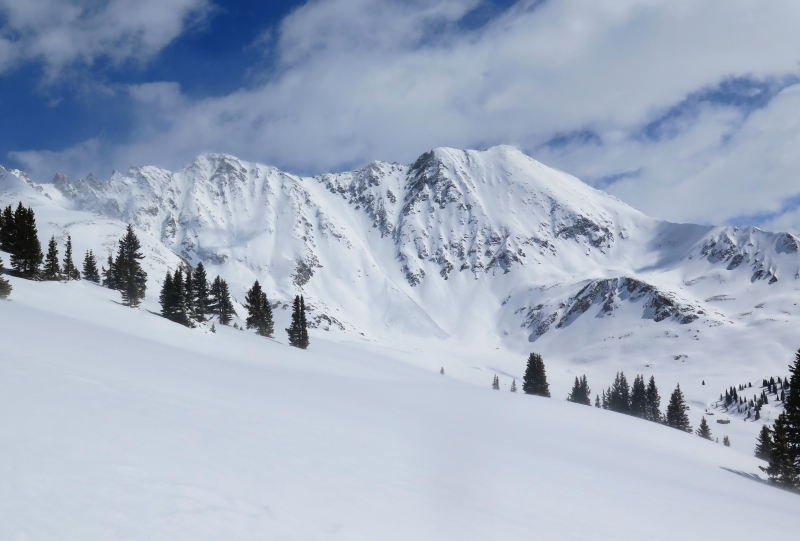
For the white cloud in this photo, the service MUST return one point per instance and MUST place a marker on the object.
(62, 33)
(359, 80)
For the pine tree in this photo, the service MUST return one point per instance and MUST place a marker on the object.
(597, 401)
(26, 251)
(294, 327)
(90, 268)
(764, 444)
(704, 431)
(8, 230)
(653, 402)
(259, 311)
(132, 278)
(619, 399)
(514, 385)
(726, 441)
(535, 379)
(303, 325)
(202, 298)
(496, 383)
(213, 328)
(189, 292)
(441, 371)
(781, 470)
(221, 304)
(676, 411)
(5, 286)
(173, 300)
(110, 276)
(70, 271)
(52, 269)
(581, 392)
(639, 398)
(791, 408)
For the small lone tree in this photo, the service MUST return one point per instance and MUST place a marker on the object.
(52, 269)
(90, 268)
(704, 431)
(597, 401)
(496, 383)
(70, 271)
(781, 470)
(259, 311)
(726, 441)
(442, 371)
(5, 286)
(514, 385)
(535, 379)
(676, 411)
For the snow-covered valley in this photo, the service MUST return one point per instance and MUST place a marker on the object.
(120, 424)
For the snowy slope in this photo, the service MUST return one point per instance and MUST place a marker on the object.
(468, 259)
(117, 424)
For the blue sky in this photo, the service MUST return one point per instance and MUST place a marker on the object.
(685, 110)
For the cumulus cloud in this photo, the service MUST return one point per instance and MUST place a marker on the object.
(628, 94)
(63, 33)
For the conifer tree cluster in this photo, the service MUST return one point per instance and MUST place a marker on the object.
(535, 379)
(220, 303)
(5, 286)
(19, 237)
(125, 272)
(259, 311)
(186, 297)
(90, 271)
(640, 401)
(298, 328)
(581, 393)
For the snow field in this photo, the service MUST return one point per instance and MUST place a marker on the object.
(117, 424)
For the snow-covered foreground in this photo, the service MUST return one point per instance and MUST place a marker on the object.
(117, 424)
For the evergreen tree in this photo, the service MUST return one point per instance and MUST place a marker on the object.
(132, 278)
(259, 311)
(70, 271)
(441, 371)
(202, 298)
(173, 299)
(221, 304)
(90, 268)
(535, 379)
(496, 383)
(653, 402)
(676, 411)
(764, 444)
(189, 292)
(52, 269)
(704, 431)
(639, 398)
(781, 470)
(597, 401)
(26, 251)
(5, 286)
(619, 399)
(8, 230)
(303, 325)
(791, 408)
(581, 392)
(726, 441)
(213, 328)
(514, 385)
(110, 276)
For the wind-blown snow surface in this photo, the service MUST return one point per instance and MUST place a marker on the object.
(117, 424)
(465, 259)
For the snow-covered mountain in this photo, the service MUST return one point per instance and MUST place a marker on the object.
(479, 256)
